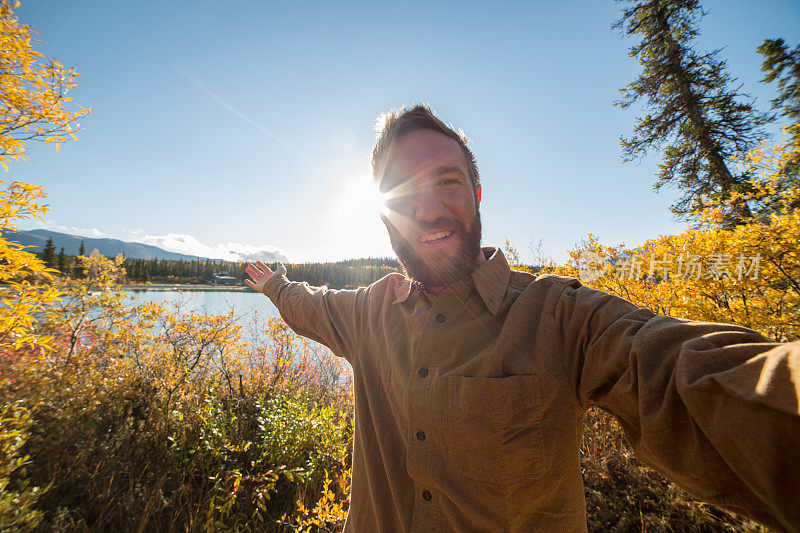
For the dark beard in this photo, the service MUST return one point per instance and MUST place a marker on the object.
(445, 270)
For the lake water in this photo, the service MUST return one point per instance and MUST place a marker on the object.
(251, 309)
(245, 304)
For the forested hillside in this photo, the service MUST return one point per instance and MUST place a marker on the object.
(338, 275)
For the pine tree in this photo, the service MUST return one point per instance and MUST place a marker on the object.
(49, 253)
(77, 269)
(693, 109)
(783, 65)
(62, 261)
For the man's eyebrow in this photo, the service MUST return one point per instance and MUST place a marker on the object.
(441, 171)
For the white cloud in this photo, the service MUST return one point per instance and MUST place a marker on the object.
(181, 243)
(72, 230)
(190, 245)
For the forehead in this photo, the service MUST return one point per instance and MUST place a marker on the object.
(418, 154)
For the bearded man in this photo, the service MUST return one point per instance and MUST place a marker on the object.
(471, 379)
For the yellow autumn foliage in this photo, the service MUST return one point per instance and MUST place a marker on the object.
(165, 400)
(34, 101)
(24, 288)
(34, 106)
(748, 275)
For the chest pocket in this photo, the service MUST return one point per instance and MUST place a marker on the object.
(495, 428)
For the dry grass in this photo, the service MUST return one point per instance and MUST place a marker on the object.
(624, 495)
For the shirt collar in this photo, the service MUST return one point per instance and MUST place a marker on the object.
(402, 290)
(490, 279)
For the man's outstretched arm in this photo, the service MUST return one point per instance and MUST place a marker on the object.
(331, 317)
(715, 407)
(261, 273)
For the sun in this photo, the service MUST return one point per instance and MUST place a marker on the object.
(355, 223)
(363, 198)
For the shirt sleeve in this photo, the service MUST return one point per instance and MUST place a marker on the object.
(712, 406)
(328, 316)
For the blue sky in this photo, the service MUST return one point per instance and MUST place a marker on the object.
(247, 126)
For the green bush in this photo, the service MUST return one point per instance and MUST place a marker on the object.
(17, 498)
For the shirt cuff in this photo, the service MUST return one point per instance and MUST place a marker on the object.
(273, 286)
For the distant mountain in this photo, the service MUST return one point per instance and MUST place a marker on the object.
(107, 247)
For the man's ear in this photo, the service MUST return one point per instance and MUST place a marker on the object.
(479, 194)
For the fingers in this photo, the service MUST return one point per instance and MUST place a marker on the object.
(253, 272)
(258, 287)
(261, 273)
(258, 268)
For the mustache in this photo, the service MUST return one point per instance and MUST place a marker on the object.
(441, 224)
(411, 232)
(444, 268)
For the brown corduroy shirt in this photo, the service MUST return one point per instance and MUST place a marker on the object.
(469, 403)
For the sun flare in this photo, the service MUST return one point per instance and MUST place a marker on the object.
(363, 198)
(354, 222)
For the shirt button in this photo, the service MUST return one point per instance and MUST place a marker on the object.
(421, 435)
(440, 318)
(423, 372)
(426, 495)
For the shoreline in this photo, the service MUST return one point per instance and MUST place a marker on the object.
(195, 287)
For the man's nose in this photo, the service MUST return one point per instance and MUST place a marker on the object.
(427, 206)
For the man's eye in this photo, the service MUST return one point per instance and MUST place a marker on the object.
(449, 181)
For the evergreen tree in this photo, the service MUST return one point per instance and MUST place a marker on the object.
(783, 65)
(62, 261)
(693, 109)
(77, 269)
(49, 253)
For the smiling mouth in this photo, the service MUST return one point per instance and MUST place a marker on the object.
(434, 237)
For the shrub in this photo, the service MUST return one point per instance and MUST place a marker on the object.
(17, 498)
(140, 414)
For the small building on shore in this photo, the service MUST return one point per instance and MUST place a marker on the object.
(222, 278)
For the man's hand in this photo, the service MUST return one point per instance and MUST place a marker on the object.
(261, 273)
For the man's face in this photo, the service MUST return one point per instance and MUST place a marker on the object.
(433, 221)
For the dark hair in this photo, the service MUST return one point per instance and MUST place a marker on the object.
(396, 123)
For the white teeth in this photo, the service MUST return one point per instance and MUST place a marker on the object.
(436, 236)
